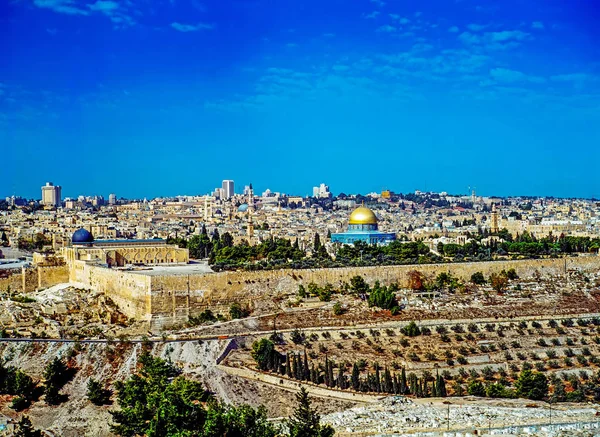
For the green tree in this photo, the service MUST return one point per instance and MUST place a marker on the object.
(478, 278)
(359, 286)
(56, 375)
(237, 312)
(411, 330)
(476, 388)
(317, 243)
(265, 355)
(338, 309)
(96, 393)
(305, 421)
(153, 404)
(531, 385)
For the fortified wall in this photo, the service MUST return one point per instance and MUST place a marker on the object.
(35, 278)
(171, 299)
(129, 291)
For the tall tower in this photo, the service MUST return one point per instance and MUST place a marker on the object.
(228, 189)
(494, 228)
(250, 228)
(51, 194)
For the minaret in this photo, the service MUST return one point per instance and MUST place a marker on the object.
(494, 228)
(250, 228)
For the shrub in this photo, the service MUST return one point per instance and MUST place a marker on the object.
(441, 330)
(488, 373)
(476, 388)
(411, 330)
(297, 337)
(458, 329)
(96, 393)
(478, 278)
(237, 312)
(461, 360)
(338, 309)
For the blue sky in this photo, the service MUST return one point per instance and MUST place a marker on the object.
(149, 97)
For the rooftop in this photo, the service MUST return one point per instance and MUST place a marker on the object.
(173, 270)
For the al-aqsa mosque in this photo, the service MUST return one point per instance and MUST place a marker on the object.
(118, 253)
(362, 226)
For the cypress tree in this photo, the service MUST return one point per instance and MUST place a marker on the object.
(396, 387)
(330, 376)
(377, 379)
(288, 366)
(403, 387)
(355, 377)
(295, 366)
(387, 381)
(340, 378)
(300, 375)
(306, 375)
(441, 387)
(326, 373)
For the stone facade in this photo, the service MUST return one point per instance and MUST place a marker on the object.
(118, 253)
(171, 299)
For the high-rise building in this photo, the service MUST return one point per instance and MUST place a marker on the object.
(112, 199)
(51, 194)
(321, 191)
(227, 189)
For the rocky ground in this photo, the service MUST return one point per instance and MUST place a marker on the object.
(399, 416)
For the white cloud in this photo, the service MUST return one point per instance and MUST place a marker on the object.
(501, 40)
(476, 27)
(453, 29)
(537, 25)
(507, 75)
(394, 16)
(507, 35)
(379, 3)
(510, 76)
(572, 77)
(340, 67)
(373, 14)
(105, 6)
(329, 35)
(181, 27)
(68, 7)
(386, 28)
(469, 38)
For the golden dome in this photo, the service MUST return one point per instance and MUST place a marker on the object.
(363, 216)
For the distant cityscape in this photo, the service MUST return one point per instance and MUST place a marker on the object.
(433, 218)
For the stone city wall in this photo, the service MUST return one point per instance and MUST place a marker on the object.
(49, 276)
(35, 278)
(171, 299)
(130, 292)
(177, 297)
